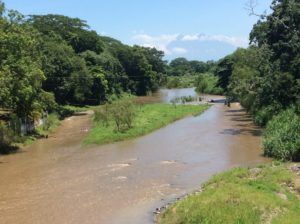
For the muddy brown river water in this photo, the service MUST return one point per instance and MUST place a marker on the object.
(56, 180)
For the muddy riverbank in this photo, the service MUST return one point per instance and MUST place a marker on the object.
(57, 180)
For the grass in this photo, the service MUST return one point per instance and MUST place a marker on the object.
(77, 109)
(40, 131)
(242, 196)
(148, 118)
(52, 123)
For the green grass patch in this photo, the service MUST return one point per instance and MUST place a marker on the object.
(41, 131)
(51, 124)
(148, 118)
(241, 196)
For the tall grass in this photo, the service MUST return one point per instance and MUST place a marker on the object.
(282, 136)
(240, 196)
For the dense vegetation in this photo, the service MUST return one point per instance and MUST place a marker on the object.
(51, 60)
(47, 61)
(182, 73)
(242, 195)
(185, 81)
(282, 136)
(182, 67)
(265, 78)
(146, 118)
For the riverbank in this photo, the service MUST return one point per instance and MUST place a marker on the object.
(15, 142)
(264, 194)
(126, 180)
(148, 118)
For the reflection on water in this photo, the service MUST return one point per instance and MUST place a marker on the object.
(167, 95)
(57, 180)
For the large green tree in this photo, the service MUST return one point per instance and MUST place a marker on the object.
(73, 30)
(21, 73)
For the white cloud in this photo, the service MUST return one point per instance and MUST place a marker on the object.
(190, 37)
(160, 42)
(179, 50)
(166, 42)
(232, 40)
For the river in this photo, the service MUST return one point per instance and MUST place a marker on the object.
(57, 180)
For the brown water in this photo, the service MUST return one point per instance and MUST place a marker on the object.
(56, 180)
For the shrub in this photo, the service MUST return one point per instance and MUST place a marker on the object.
(265, 114)
(102, 115)
(282, 136)
(6, 139)
(119, 110)
(52, 121)
(65, 111)
(122, 112)
(208, 83)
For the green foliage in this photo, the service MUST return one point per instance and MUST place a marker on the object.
(122, 112)
(6, 139)
(207, 83)
(183, 67)
(280, 32)
(185, 81)
(242, 195)
(282, 136)
(265, 79)
(265, 114)
(147, 119)
(21, 74)
(68, 110)
(51, 122)
(102, 115)
(224, 71)
(183, 100)
(73, 30)
(46, 59)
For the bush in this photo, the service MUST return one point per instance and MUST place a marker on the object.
(282, 136)
(265, 114)
(207, 83)
(183, 99)
(52, 121)
(102, 115)
(119, 110)
(6, 139)
(65, 111)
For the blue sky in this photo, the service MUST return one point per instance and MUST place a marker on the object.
(195, 29)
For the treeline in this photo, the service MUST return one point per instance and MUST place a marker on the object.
(51, 60)
(182, 73)
(265, 78)
(183, 67)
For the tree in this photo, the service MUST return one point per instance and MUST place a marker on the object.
(66, 73)
(73, 30)
(21, 72)
(179, 67)
(280, 31)
(224, 71)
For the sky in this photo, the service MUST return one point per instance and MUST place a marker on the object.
(194, 29)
